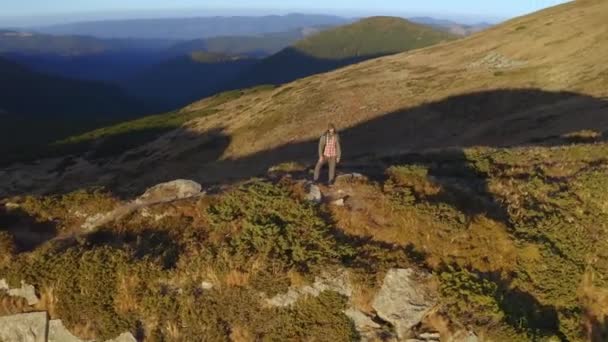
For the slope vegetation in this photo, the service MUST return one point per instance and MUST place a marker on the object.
(341, 46)
(513, 233)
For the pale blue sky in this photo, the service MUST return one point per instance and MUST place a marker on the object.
(447, 8)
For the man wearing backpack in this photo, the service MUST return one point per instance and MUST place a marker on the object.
(329, 152)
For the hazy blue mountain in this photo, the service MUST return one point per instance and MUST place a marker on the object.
(252, 46)
(80, 57)
(182, 80)
(341, 46)
(451, 26)
(193, 28)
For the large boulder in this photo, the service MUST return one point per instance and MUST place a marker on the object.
(59, 333)
(366, 327)
(26, 291)
(125, 337)
(28, 327)
(170, 191)
(404, 299)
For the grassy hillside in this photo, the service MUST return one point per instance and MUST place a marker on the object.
(341, 46)
(487, 160)
(370, 37)
(513, 237)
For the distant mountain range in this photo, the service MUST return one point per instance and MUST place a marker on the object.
(193, 28)
(341, 46)
(25, 93)
(451, 26)
(184, 79)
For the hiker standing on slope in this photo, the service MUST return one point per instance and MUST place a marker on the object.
(329, 152)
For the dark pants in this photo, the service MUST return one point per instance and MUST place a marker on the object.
(332, 168)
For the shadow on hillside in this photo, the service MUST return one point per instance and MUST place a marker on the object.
(498, 118)
(291, 64)
(598, 329)
(26, 231)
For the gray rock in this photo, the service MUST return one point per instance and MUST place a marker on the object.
(126, 337)
(206, 285)
(338, 282)
(351, 177)
(463, 336)
(338, 202)
(59, 333)
(368, 329)
(404, 299)
(29, 327)
(429, 336)
(4, 285)
(170, 191)
(314, 194)
(26, 291)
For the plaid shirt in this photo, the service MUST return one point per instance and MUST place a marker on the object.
(330, 147)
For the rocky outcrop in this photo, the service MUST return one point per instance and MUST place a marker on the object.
(366, 327)
(28, 327)
(36, 327)
(170, 191)
(125, 337)
(160, 193)
(59, 333)
(26, 291)
(327, 282)
(404, 299)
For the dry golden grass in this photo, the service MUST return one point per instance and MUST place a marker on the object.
(173, 331)
(362, 297)
(126, 300)
(240, 334)
(48, 301)
(236, 278)
(484, 245)
(85, 331)
(12, 305)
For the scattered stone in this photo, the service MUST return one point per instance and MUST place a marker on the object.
(495, 60)
(59, 333)
(338, 202)
(339, 283)
(28, 327)
(170, 191)
(11, 205)
(314, 194)
(404, 299)
(463, 336)
(126, 337)
(430, 336)
(351, 177)
(4, 285)
(95, 221)
(26, 291)
(206, 285)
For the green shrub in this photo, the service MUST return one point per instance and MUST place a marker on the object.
(272, 223)
(470, 298)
